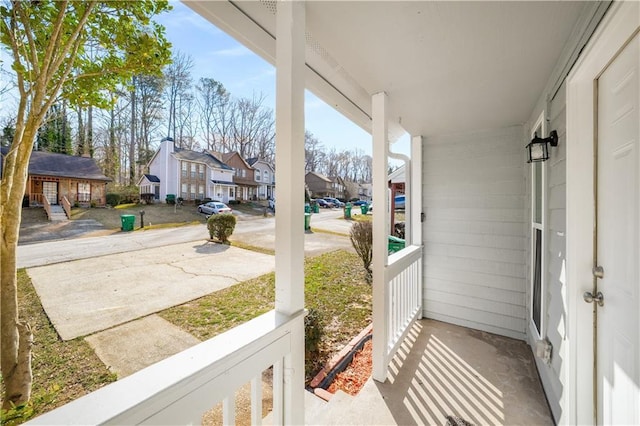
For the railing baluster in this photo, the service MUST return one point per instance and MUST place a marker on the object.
(256, 400)
(229, 410)
(278, 392)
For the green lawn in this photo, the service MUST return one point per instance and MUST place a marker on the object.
(62, 371)
(335, 289)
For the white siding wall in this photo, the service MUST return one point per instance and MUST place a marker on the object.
(473, 197)
(555, 309)
(165, 167)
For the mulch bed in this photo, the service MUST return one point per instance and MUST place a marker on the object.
(353, 378)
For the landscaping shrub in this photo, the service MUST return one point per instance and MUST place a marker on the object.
(313, 332)
(119, 194)
(221, 227)
(362, 240)
(113, 199)
(233, 202)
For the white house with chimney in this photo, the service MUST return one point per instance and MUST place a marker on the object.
(188, 174)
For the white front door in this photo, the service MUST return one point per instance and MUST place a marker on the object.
(618, 237)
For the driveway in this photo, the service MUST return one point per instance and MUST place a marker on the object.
(95, 283)
(88, 295)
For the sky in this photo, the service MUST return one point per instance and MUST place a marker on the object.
(243, 74)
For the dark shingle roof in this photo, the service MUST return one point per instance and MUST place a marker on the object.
(152, 178)
(202, 157)
(51, 164)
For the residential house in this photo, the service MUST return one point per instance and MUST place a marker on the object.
(149, 187)
(544, 252)
(243, 176)
(188, 174)
(339, 187)
(319, 185)
(264, 175)
(59, 177)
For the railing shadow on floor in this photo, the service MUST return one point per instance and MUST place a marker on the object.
(446, 372)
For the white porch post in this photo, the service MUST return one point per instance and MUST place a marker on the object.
(290, 60)
(416, 203)
(416, 190)
(380, 234)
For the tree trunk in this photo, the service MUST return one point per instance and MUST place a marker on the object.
(89, 139)
(132, 145)
(15, 353)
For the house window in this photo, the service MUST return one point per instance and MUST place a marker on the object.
(84, 192)
(193, 170)
(201, 171)
(183, 191)
(200, 192)
(192, 192)
(257, 175)
(265, 175)
(232, 193)
(538, 193)
(184, 169)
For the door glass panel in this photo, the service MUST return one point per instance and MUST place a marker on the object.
(537, 198)
(537, 280)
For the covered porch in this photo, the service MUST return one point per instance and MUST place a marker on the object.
(446, 373)
(457, 313)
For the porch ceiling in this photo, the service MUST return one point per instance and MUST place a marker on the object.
(446, 66)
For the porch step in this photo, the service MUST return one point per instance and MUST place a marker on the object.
(334, 413)
(313, 408)
(57, 214)
(367, 407)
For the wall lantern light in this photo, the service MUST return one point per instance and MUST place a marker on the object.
(539, 147)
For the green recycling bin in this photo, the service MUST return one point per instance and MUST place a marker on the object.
(316, 208)
(307, 221)
(364, 208)
(307, 208)
(347, 211)
(128, 221)
(395, 244)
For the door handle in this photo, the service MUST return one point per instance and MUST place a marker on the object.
(598, 272)
(590, 298)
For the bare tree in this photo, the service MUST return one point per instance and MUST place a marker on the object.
(177, 84)
(212, 100)
(251, 120)
(150, 113)
(313, 152)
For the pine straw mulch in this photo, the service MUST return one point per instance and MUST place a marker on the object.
(353, 378)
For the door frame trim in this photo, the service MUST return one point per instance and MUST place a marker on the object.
(618, 26)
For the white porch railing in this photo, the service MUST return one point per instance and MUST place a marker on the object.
(404, 275)
(180, 389)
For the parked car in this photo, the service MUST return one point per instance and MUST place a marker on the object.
(214, 207)
(334, 201)
(323, 203)
(359, 203)
(399, 201)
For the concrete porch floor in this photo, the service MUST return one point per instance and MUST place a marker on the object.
(445, 370)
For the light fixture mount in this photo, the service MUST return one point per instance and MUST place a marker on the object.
(539, 147)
